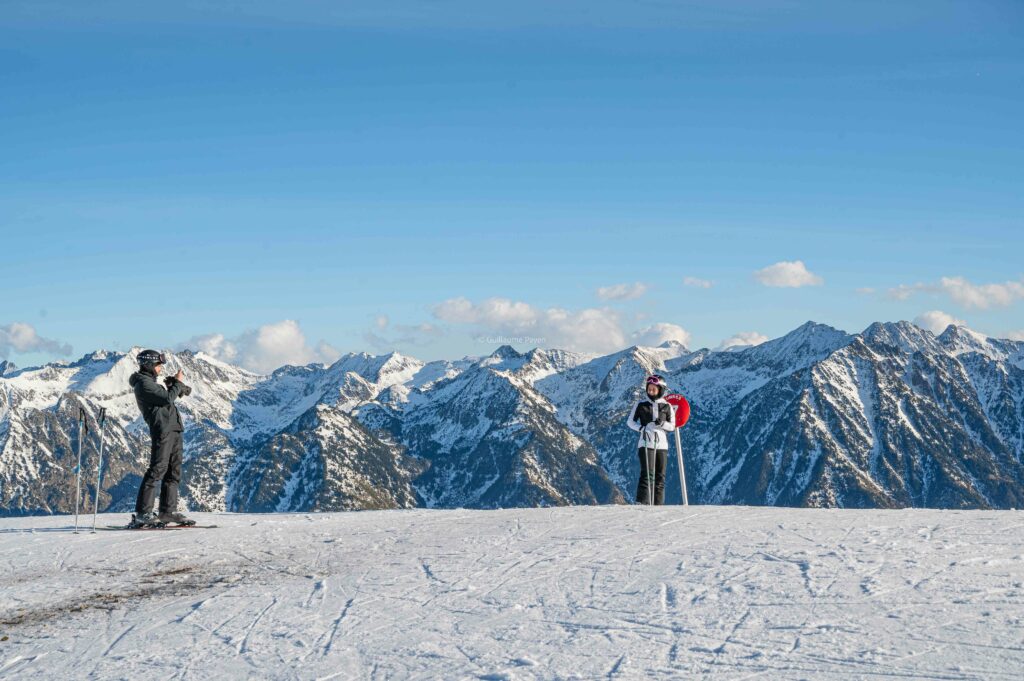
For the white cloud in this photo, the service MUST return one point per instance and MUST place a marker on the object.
(20, 337)
(964, 292)
(1016, 335)
(622, 291)
(400, 334)
(936, 321)
(982, 296)
(865, 291)
(213, 344)
(788, 274)
(656, 334)
(493, 312)
(265, 348)
(697, 282)
(586, 330)
(904, 291)
(743, 338)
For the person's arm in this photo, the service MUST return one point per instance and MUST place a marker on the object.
(669, 425)
(152, 394)
(173, 381)
(632, 422)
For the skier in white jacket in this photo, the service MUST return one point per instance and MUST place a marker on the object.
(654, 418)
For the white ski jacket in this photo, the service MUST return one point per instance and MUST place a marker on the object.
(655, 419)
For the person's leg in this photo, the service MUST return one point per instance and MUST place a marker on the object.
(169, 486)
(641, 488)
(159, 455)
(660, 467)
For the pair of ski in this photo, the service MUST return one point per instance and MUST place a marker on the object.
(150, 528)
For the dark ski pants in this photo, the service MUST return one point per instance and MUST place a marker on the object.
(660, 460)
(165, 470)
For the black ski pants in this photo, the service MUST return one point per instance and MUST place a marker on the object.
(164, 470)
(659, 459)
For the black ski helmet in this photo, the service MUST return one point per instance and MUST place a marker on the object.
(658, 380)
(148, 358)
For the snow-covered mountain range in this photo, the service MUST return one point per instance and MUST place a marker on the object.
(893, 416)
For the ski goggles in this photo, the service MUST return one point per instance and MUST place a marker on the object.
(655, 380)
(152, 358)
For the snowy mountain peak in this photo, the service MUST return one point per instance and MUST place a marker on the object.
(957, 332)
(959, 340)
(6, 367)
(800, 347)
(815, 331)
(903, 335)
(653, 358)
(506, 352)
(504, 358)
(105, 356)
(646, 357)
(396, 368)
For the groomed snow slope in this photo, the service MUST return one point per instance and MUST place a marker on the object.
(605, 592)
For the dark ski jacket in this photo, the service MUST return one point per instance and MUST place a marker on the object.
(157, 402)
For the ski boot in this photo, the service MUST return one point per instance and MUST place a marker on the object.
(176, 519)
(145, 521)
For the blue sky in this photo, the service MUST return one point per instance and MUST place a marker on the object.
(433, 177)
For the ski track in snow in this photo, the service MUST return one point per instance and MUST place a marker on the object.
(588, 592)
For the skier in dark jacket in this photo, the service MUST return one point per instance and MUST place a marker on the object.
(655, 419)
(156, 403)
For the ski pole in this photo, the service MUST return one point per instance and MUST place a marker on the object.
(682, 469)
(647, 460)
(652, 455)
(99, 470)
(83, 427)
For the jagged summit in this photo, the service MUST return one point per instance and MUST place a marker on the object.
(906, 336)
(107, 356)
(506, 352)
(505, 358)
(961, 340)
(799, 348)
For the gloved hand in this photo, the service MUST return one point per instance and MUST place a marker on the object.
(171, 380)
(650, 428)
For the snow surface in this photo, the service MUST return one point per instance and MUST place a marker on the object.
(585, 592)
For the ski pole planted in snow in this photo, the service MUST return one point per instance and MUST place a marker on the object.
(647, 462)
(682, 409)
(99, 471)
(652, 456)
(83, 428)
